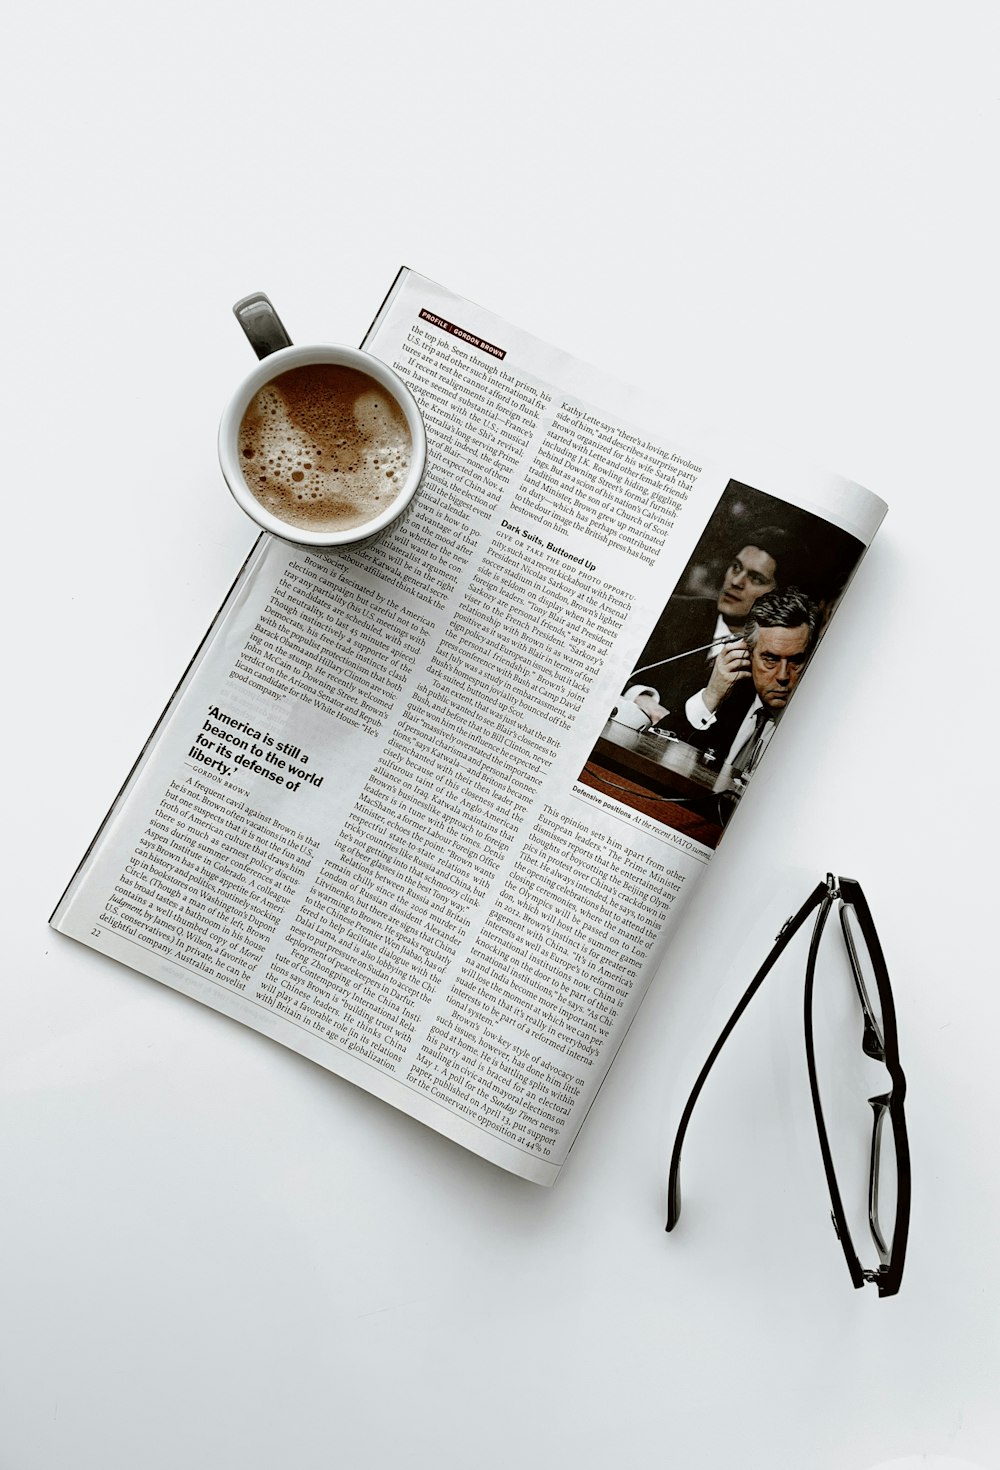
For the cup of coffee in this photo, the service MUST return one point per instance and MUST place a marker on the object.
(323, 446)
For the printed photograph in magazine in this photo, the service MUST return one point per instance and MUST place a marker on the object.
(707, 691)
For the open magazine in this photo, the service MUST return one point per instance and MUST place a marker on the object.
(426, 811)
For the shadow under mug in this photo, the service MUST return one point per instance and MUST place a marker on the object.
(274, 348)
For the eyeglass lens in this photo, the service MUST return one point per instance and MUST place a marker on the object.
(864, 977)
(882, 1178)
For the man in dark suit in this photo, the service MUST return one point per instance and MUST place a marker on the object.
(659, 688)
(751, 683)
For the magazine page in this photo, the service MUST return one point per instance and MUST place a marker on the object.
(426, 810)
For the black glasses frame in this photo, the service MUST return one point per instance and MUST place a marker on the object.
(878, 1042)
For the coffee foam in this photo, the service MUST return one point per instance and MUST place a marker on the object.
(324, 447)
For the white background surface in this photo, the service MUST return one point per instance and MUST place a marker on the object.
(212, 1254)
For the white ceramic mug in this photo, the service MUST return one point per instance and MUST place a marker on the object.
(273, 347)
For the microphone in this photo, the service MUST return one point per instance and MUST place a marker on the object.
(717, 643)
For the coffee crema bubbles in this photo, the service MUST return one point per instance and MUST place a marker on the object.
(324, 447)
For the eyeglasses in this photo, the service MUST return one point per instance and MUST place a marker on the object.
(888, 1168)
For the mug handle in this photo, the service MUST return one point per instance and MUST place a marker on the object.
(262, 324)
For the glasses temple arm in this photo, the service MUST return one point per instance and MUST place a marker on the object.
(786, 933)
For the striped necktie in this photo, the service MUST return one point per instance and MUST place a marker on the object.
(752, 748)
